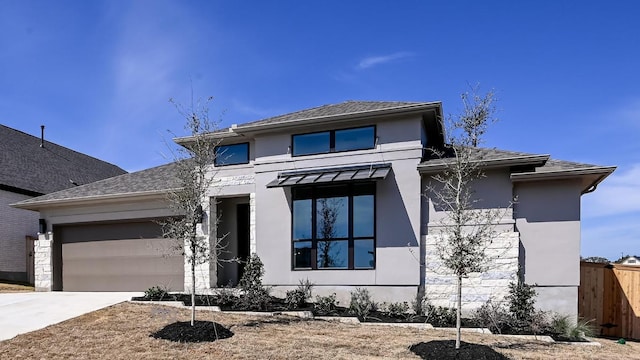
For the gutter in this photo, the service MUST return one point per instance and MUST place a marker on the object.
(37, 205)
(603, 172)
(490, 163)
(241, 130)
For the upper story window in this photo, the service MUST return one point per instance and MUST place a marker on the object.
(232, 154)
(334, 141)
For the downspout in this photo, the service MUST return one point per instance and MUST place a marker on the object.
(593, 185)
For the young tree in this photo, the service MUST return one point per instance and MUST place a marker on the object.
(467, 229)
(190, 200)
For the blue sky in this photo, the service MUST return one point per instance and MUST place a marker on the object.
(99, 75)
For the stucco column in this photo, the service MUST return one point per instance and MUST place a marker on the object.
(205, 272)
(252, 223)
(43, 263)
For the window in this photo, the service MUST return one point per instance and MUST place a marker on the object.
(334, 141)
(231, 154)
(333, 227)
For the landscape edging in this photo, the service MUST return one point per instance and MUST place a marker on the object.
(354, 320)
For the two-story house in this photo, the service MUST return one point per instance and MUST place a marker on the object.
(334, 194)
(31, 166)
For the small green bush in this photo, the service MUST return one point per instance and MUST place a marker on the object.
(563, 326)
(325, 305)
(227, 297)
(398, 310)
(439, 316)
(521, 299)
(256, 296)
(295, 299)
(493, 316)
(361, 304)
(156, 293)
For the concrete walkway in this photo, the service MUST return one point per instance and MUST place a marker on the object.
(24, 312)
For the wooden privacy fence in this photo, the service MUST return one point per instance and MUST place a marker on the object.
(610, 294)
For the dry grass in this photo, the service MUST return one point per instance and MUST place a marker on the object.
(11, 288)
(122, 332)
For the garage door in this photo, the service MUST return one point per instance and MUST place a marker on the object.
(130, 256)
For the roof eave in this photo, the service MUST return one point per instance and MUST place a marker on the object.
(221, 135)
(92, 200)
(558, 174)
(406, 109)
(490, 164)
(600, 173)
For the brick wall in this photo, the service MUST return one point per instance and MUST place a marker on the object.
(15, 225)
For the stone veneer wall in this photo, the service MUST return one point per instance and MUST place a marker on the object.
(440, 285)
(43, 272)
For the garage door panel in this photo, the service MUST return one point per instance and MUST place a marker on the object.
(115, 283)
(122, 259)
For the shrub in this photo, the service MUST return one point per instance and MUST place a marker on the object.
(439, 316)
(563, 326)
(227, 297)
(299, 297)
(397, 309)
(493, 316)
(156, 293)
(295, 299)
(361, 304)
(521, 299)
(305, 287)
(325, 305)
(256, 296)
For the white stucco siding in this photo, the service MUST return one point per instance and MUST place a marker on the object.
(16, 225)
(397, 207)
(548, 219)
(493, 191)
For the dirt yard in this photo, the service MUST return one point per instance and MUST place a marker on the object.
(9, 288)
(123, 332)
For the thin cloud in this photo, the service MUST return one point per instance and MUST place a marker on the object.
(610, 239)
(372, 61)
(618, 194)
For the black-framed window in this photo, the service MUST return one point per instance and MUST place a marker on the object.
(323, 142)
(333, 227)
(231, 154)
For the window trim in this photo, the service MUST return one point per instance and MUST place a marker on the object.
(316, 192)
(215, 159)
(332, 140)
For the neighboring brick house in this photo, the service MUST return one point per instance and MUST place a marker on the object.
(30, 167)
(364, 162)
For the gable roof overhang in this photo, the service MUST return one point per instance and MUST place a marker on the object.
(438, 165)
(431, 112)
(589, 176)
(92, 200)
(327, 175)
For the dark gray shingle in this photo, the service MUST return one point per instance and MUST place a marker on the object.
(26, 166)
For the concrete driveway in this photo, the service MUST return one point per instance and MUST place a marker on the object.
(24, 312)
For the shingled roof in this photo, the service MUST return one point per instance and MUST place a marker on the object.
(344, 108)
(525, 166)
(156, 180)
(28, 168)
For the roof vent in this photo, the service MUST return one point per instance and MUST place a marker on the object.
(41, 136)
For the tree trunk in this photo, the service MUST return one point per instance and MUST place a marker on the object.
(193, 289)
(459, 313)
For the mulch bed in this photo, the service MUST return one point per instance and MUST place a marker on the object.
(201, 331)
(446, 349)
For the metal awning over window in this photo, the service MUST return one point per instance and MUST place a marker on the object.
(376, 171)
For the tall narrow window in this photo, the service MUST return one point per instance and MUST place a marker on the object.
(333, 227)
